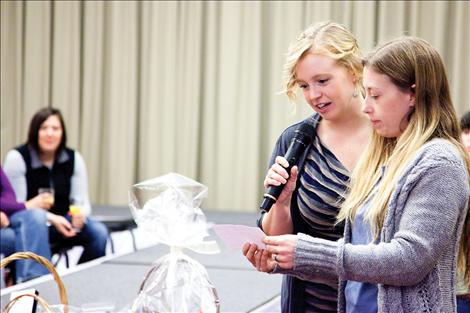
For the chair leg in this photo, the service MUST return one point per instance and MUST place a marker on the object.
(59, 256)
(66, 255)
(133, 240)
(111, 242)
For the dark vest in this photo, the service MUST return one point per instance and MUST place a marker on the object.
(60, 175)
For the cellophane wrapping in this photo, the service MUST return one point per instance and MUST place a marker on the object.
(167, 208)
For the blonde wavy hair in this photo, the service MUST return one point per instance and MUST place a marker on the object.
(406, 61)
(328, 39)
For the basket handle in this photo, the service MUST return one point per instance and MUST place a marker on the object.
(39, 299)
(43, 261)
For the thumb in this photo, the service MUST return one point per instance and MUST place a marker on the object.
(292, 178)
(271, 240)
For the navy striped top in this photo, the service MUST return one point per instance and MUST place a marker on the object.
(323, 183)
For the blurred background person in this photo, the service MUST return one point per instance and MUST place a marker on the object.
(465, 135)
(463, 291)
(23, 228)
(325, 63)
(44, 161)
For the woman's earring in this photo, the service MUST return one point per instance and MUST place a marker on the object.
(355, 93)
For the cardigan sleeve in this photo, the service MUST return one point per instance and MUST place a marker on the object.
(436, 203)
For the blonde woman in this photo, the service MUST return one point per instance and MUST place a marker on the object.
(408, 200)
(325, 63)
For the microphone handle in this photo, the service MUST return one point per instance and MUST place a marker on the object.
(273, 192)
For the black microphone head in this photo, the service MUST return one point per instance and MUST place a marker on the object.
(305, 132)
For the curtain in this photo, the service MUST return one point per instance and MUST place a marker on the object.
(153, 87)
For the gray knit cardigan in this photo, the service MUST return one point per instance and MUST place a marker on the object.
(414, 264)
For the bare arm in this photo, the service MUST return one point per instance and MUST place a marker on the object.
(278, 220)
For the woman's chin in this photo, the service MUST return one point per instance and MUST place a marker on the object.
(49, 149)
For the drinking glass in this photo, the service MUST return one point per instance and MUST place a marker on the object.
(49, 194)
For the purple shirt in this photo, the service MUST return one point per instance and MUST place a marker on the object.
(8, 203)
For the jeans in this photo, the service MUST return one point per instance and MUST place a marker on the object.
(7, 247)
(93, 237)
(463, 306)
(30, 227)
(7, 241)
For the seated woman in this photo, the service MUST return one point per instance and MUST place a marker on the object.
(23, 228)
(44, 161)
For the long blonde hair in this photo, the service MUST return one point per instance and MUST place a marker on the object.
(406, 61)
(329, 39)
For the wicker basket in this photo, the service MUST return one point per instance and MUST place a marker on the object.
(32, 256)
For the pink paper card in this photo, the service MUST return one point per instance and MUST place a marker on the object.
(234, 236)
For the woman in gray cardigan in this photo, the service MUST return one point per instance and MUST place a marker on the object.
(408, 201)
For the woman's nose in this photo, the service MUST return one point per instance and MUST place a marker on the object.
(366, 107)
(49, 131)
(313, 93)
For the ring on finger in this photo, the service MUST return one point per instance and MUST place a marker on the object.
(274, 256)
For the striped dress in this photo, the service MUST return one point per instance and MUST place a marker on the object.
(323, 183)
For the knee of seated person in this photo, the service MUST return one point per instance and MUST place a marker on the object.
(30, 216)
(98, 230)
(37, 216)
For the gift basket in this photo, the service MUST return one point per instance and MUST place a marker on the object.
(167, 208)
(44, 306)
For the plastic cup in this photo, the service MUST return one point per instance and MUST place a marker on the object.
(50, 194)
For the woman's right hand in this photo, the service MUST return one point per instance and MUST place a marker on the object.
(4, 221)
(278, 175)
(39, 202)
(261, 259)
(62, 225)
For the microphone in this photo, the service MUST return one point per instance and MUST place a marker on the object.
(303, 135)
